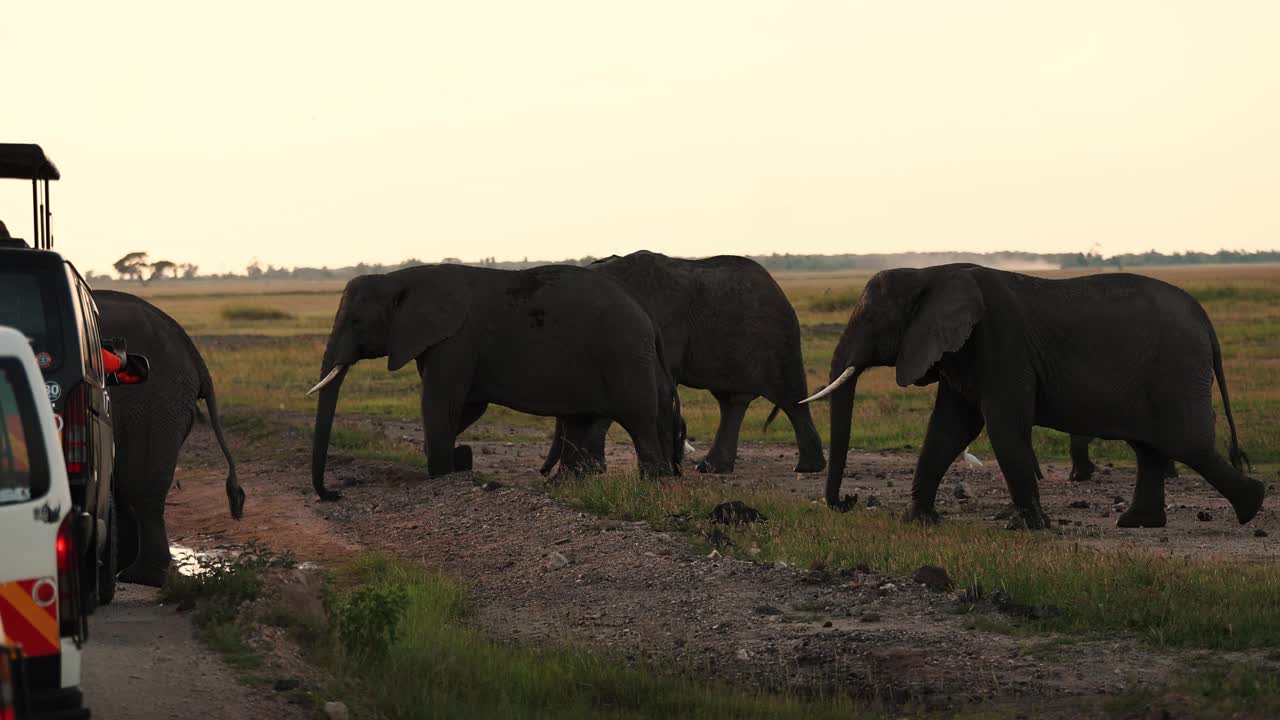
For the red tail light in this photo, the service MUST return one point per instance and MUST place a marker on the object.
(68, 578)
(75, 431)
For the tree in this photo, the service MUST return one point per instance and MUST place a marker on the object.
(131, 265)
(160, 267)
(189, 271)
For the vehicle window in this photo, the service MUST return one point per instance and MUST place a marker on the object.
(23, 473)
(30, 306)
(92, 343)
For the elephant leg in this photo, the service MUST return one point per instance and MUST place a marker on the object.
(1243, 492)
(593, 443)
(577, 456)
(440, 417)
(652, 455)
(1081, 466)
(1170, 470)
(807, 439)
(723, 452)
(126, 534)
(953, 424)
(1010, 435)
(556, 450)
(152, 563)
(471, 412)
(1147, 508)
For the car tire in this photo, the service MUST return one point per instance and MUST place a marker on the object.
(110, 558)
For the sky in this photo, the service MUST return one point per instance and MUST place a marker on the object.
(326, 134)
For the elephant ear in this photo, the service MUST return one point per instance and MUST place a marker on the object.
(423, 316)
(947, 312)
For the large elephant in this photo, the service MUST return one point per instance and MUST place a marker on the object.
(556, 340)
(1114, 356)
(728, 328)
(152, 421)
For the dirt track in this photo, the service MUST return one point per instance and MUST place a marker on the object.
(638, 593)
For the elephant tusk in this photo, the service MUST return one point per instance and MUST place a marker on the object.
(327, 378)
(688, 447)
(971, 460)
(844, 376)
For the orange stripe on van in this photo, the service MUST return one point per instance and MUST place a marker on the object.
(27, 624)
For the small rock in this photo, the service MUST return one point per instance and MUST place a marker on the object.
(336, 711)
(888, 483)
(963, 491)
(735, 513)
(490, 486)
(873, 501)
(1204, 516)
(767, 610)
(743, 654)
(1079, 504)
(486, 450)
(1259, 533)
(816, 576)
(555, 561)
(933, 577)
(826, 624)
(870, 617)
(286, 684)
(887, 588)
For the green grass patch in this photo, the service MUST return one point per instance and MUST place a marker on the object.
(1174, 602)
(215, 588)
(400, 639)
(1243, 691)
(254, 313)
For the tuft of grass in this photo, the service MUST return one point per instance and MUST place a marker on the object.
(435, 664)
(254, 313)
(216, 588)
(1217, 604)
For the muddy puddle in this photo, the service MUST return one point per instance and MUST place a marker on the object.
(197, 561)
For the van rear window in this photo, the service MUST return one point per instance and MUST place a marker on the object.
(29, 306)
(24, 474)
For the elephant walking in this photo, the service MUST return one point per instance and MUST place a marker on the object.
(727, 328)
(556, 340)
(152, 421)
(1114, 356)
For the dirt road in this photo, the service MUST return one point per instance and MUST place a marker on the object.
(143, 663)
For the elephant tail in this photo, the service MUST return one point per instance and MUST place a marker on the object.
(772, 415)
(235, 494)
(1238, 458)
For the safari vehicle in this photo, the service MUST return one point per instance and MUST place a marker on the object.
(40, 605)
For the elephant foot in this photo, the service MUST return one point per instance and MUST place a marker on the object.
(1171, 471)
(139, 575)
(921, 515)
(329, 495)
(712, 467)
(462, 458)
(1248, 501)
(1135, 518)
(1030, 518)
(811, 465)
(1082, 472)
(845, 504)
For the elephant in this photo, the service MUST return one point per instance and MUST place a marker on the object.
(1082, 467)
(151, 422)
(727, 328)
(555, 340)
(1115, 356)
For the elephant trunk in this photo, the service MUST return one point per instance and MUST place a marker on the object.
(841, 424)
(324, 424)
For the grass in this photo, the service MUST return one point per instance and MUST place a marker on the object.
(434, 664)
(1240, 691)
(1166, 601)
(216, 589)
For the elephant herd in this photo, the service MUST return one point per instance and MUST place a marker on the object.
(1116, 356)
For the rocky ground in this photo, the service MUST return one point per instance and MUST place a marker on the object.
(540, 571)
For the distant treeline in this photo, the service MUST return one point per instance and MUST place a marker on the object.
(774, 262)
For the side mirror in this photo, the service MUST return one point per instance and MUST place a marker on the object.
(136, 370)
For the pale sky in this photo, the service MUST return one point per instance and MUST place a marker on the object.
(330, 133)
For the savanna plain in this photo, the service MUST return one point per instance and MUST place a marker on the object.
(495, 593)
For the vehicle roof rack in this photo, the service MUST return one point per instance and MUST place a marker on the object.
(27, 161)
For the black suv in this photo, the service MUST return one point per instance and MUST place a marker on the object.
(43, 296)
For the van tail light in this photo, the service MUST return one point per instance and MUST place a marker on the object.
(75, 432)
(68, 579)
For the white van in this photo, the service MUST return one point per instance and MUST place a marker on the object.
(40, 607)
